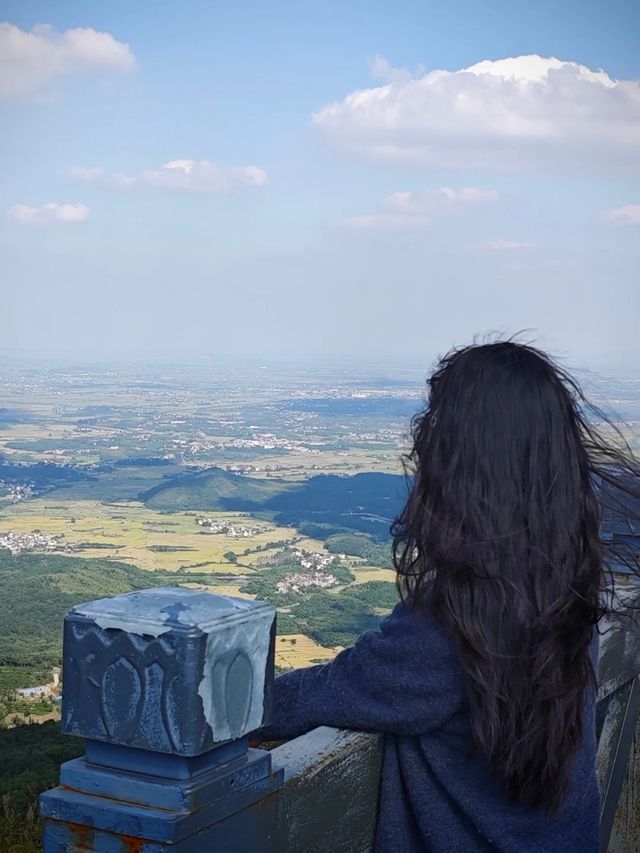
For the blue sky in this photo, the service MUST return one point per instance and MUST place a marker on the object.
(392, 225)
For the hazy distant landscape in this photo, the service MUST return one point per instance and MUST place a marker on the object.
(264, 481)
(258, 480)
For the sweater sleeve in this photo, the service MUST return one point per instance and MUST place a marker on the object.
(401, 679)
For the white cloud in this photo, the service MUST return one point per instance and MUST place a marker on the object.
(408, 210)
(203, 176)
(518, 112)
(382, 69)
(189, 175)
(30, 60)
(500, 246)
(48, 213)
(627, 215)
(96, 174)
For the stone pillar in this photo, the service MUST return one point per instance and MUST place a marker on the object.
(165, 685)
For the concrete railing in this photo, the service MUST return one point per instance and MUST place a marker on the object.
(165, 686)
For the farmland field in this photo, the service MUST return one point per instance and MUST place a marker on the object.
(136, 534)
(295, 650)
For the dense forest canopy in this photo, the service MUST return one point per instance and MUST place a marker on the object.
(37, 590)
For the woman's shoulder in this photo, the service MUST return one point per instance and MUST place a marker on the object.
(419, 622)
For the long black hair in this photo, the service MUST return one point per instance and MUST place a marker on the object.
(500, 538)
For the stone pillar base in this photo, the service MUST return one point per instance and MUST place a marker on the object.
(98, 808)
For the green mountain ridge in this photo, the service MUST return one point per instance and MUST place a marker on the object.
(320, 506)
(214, 489)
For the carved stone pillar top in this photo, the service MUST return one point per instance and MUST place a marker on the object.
(165, 684)
(171, 670)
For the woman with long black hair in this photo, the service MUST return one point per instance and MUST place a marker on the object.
(483, 677)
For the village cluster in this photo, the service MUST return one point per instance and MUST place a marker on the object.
(315, 560)
(233, 530)
(14, 492)
(258, 441)
(315, 574)
(299, 582)
(34, 541)
(270, 470)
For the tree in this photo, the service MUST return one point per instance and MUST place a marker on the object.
(231, 557)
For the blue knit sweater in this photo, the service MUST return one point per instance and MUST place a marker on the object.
(406, 681)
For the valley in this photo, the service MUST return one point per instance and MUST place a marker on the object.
(276, 482)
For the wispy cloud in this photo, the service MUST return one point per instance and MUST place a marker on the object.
(32, 59)
(49, 213)
(187, 175)
(629, 214)
(520, 112)
(96, 174)
(499, 246)
(408, 210)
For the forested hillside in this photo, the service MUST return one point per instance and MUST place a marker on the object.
(320, 506)
(31, 759)
(37, 590)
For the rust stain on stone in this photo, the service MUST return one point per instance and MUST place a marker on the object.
(131, 844)
(82, 836)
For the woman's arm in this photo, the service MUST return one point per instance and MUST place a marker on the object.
(402, 679)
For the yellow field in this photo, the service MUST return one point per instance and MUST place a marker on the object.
(33, 432)
(220, 589)
(369, 574)
(131, 528)
(295, 650)
(300, 466)
(52, 430)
